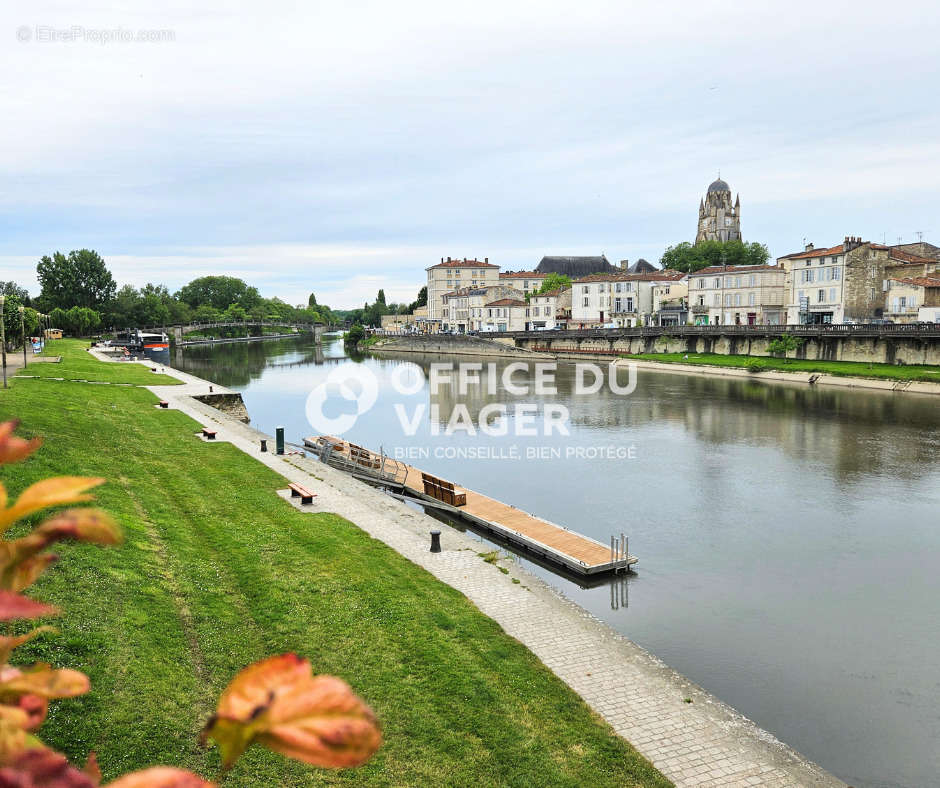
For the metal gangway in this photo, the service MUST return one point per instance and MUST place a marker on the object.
(357, 461)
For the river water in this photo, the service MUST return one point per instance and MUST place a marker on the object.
(788, 536)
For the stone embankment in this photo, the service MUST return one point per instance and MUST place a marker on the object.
(452, 345)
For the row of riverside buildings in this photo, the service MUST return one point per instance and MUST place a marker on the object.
(853, 282)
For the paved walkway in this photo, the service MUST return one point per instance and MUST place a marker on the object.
(703, 743)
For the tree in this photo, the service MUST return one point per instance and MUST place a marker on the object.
(554, 281)
(689, 258)
(312, 300)
(219, 292)
(784, 344)
(420, 301)
(355, 334)
(380, 298)
(81, 279)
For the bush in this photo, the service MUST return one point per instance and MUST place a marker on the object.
(355, 334)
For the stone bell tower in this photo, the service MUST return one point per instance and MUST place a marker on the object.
(718, 219)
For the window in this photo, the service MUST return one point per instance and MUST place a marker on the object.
(820, 296)
(701, 284)
(737, 299)
(629, 304)
(737, 281)
(871, 294)
(628, 287)
(727, 281)
(836, 274)
(752, 280)
(751, 299)
(701, 300)
(585, 300)
(667, 290)
(717, 300)
(616, 305)
(717, 282)
(727, 299)
(832, 294)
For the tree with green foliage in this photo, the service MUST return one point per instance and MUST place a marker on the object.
(355, 334)
(420, 301)
(689, 258)
(235, 313)
(554, 281)
(380, 298)
(81, 279)
(312, 300)
(783, 344)
(219, 292)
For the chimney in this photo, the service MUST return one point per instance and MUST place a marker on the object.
(486, 259)
(624, 265)
(448, 259)
(809, 247)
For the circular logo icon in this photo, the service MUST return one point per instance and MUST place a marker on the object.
(350, 382)
(24, 33)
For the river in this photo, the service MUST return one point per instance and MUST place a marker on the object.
(788, 535)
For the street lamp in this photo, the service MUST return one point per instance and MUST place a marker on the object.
(23, 332)
(3, 339)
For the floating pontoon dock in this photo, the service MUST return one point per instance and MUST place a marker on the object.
(543, 538)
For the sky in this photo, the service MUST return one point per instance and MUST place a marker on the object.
(343, 147)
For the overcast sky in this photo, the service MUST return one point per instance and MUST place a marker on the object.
(345, 146)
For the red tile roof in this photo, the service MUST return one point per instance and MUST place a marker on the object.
(815, 253)
(656, 276)
(919, 281)
(521, 275)
(506, 302)
(731, 269)
(907, 257)
(556, 292)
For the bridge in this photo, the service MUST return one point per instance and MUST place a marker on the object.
(914, 343)
(179, 330)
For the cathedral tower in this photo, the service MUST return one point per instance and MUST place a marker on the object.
(718, 219)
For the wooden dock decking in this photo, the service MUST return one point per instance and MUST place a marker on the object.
(554, 542)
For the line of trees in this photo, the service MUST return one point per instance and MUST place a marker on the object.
(689, 258)
(81, 296)
(371, 314)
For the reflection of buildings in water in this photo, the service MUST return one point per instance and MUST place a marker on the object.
(854, 432)
(235, 364)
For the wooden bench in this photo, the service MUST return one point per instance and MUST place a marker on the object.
(443, 491)
(297, 491)
(164, 403)
(208, 434)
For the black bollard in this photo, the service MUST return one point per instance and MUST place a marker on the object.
(435, 541)
(264, 444)
(210, 389)
(279, 439)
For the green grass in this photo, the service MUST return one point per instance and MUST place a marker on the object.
(77, 362)
(217, 571)
(859, 369)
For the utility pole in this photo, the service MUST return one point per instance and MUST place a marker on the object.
(3, 339)
(23, 332)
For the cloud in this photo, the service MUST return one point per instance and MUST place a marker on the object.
(336, 146)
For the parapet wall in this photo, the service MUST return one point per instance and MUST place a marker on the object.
(451, 345)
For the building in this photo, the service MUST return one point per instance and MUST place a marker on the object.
(548, 310)
(449, 275)
(718, 219)
(751, 295)
(504, 314)
(641, 266)
(575, 267)
(463, 309)
(616, 299)
(913, 300)
(837, 284)
(919, 249)
(523, 281)
(670, 303)
(398, 324)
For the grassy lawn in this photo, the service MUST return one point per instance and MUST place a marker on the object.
(859, 369)
(77, 362)
(217, 572)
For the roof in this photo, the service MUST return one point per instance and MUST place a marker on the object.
(642, 266)
(506, 302)
(728, 269)
(462, 264)
(520, 274)
(907, 257)
(815, 252)
(718, 186)
(920, 281)
(657, 276)
(574, 267)
(556, 292)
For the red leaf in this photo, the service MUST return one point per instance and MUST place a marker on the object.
(160, 777)
(278, 703)
(12, 448)
(40, 768)
(14, 606)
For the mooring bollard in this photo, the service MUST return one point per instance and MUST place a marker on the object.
(264, 444)
(279, 439)
(210, 389)
(435, 541)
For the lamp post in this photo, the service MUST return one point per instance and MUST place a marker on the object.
(23, 332)
(3, 339)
